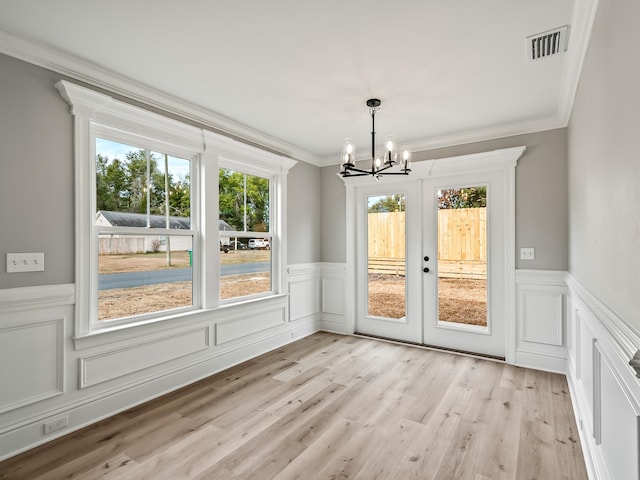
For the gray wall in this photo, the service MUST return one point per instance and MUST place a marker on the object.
(604, 163)
(303, 221)
(334, 228)
(36, 178)
(541, 198)
(37, 188)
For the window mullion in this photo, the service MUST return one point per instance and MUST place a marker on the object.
(210, 228)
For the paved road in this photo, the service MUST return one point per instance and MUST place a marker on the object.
(137, 279)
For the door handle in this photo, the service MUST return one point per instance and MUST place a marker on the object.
(425, 269)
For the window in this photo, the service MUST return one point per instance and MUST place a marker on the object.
(144, 231)
(170, 218)
(245, 235)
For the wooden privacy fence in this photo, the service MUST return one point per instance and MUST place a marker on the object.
(462, 242)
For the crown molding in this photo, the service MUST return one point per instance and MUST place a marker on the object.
(92, 74)
(584, 14)
(470, 136)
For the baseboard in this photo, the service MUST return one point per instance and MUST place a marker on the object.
(539, 361)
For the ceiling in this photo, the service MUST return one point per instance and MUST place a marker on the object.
(296, 74)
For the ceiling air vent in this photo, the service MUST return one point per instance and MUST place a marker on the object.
(547, 44)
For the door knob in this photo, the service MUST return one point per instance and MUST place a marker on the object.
(425, 269)
(426, 259)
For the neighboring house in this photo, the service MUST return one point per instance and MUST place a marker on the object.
(121, 244)
(225, 242)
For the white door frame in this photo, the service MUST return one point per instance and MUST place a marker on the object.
(503, 161)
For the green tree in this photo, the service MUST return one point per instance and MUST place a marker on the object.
(258, 203)
(390, 203)
(243, 200)
(469, 197)
(122, 186)
(180, 197)
(112, 185)
(231, 198)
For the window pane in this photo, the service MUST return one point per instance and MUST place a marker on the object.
(133, 184)
(386, 256)
(243, 202)
(462, 255)
(140, 274)
(245, 268)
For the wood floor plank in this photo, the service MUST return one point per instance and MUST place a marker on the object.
(363, 446)
(293, 433)
(314, 458)
(331, 406)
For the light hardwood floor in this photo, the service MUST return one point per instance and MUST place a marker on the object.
(333, 407)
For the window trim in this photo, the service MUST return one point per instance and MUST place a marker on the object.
(94, 114)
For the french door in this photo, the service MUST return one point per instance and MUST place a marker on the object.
(388, 282)
(431, 261)
(463, 282)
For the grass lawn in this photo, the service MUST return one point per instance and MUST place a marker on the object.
(460, 300)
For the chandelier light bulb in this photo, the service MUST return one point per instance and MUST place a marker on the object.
(390, 146)
(348, 153)
(406, 159)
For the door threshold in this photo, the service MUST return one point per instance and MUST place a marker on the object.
(436, 348)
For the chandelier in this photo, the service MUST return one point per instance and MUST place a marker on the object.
(379, 166)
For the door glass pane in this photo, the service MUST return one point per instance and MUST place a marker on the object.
(386, 256)
(462, 255)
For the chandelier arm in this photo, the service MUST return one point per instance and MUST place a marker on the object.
(354, 169)
(366, 174)
(383, 169)
(394, 173)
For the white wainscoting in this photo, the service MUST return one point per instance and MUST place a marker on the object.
(540, 320)
(31, 357)
(334, 317)
(604, 387)
(46, 373)
(304, 291)
(124, 361)
(317, 291)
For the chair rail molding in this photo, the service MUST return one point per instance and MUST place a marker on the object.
(625, 339)
(27, 298)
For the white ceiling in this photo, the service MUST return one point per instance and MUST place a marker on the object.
(300, 71)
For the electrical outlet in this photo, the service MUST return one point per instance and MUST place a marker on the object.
(25, 262)
(527, 253)
(54, 425)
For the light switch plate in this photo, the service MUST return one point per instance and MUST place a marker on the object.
(25, 262)
(527, 253)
